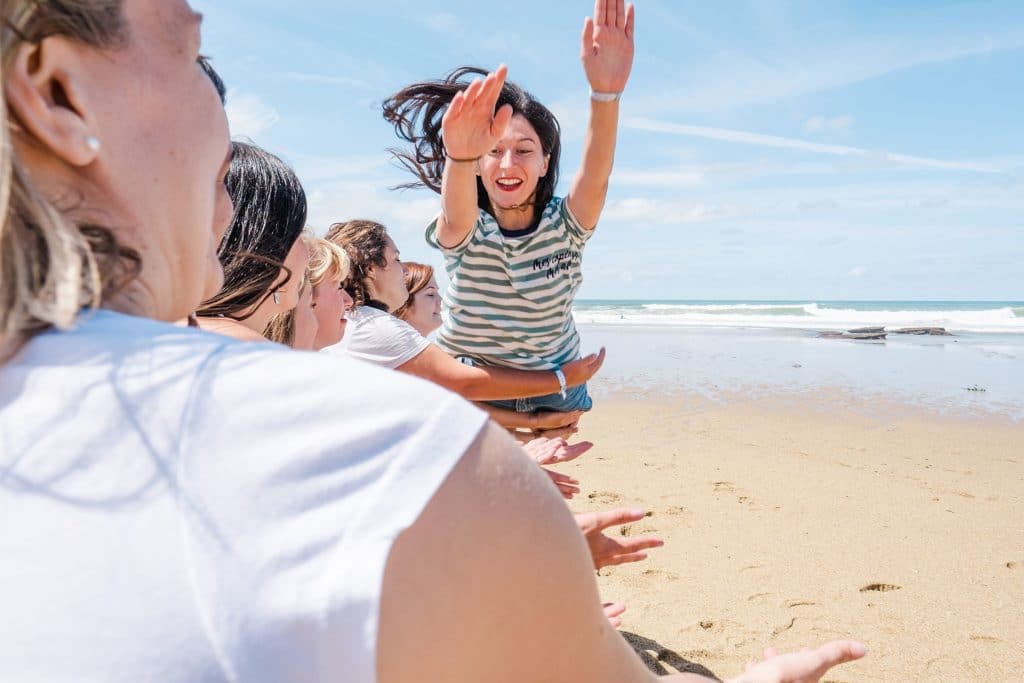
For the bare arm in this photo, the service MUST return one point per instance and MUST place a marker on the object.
(557, 423)
(484, 383)
(516, 590)
(607, 55)
(469, 129)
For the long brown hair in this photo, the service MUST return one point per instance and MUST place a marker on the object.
(417, 277)
(365, 242)
(50, 267)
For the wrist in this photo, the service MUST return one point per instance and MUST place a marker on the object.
(460, 160)
(605, 96)
(562, 385)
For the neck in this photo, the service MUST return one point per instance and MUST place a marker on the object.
(517, 217)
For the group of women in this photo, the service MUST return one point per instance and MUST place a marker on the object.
(183, 505)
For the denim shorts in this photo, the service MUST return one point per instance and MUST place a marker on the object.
(576, 398)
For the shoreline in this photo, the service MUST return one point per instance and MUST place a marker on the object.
(789, 521)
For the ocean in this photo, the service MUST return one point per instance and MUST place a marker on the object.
(981, 317)
(728, 349)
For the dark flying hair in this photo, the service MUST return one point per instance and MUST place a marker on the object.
(416, 112)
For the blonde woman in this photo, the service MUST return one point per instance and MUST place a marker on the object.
(172, 521)
(328, 269)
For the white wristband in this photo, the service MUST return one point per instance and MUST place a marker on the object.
(605, 96)
(561, 381)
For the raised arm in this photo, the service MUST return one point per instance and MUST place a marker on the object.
(607, 55)
(489, 383)
(470, 128)
(496, 571)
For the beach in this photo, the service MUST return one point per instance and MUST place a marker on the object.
(798, 510)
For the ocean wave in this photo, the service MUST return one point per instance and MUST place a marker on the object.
(804, 316)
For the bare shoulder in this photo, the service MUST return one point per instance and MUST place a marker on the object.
(494, 582)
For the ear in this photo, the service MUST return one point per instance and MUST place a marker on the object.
(47, 99)
(547, 160)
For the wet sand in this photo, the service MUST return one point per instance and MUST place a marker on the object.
(792, 520)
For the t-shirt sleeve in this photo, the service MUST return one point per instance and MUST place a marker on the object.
(458, 249)
(303, 470)
(386, 341)
(576, 232)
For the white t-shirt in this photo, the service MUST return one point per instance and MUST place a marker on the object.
(378, 337)
(179, 506)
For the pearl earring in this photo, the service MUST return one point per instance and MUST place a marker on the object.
(93, 143)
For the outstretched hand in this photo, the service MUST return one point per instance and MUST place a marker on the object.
(607, 45)
(470, 126)
(547, 451)
(606, 551)
(565, 484)
(806, 666)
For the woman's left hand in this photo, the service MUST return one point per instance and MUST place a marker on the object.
(607, 50)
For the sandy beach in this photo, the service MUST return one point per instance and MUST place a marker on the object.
(789, 520)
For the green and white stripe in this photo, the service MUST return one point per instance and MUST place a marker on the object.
(510, 298)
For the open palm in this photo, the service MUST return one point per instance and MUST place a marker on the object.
(607, 45)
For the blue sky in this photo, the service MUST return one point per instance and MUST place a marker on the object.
(768, 150)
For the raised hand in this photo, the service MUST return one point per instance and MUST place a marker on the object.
(606, 551)
(806, 666)
(613, 611)
(607, 49)
(470, 127)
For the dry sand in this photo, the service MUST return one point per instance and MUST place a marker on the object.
(790, 522)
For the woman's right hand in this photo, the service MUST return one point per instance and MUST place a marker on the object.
(580, 371)
(470, 127)
(806, 666)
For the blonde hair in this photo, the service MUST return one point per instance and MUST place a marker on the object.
(327, 261)
(51, 268)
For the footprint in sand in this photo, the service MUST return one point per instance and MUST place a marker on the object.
(880, 587)
(799, 603)
(604, 497)
(726, 486)
(986, 639)
(659, 574)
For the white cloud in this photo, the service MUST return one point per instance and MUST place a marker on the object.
(746, 137)
(658, 177)
(858, 271)
(643, 212)
(824, 124)
(324, 79)
(248, 115)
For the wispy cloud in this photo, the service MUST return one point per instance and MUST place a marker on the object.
(857, 271)
(825, 124)
(324, 79)
(249, 115)
(728, 80)
(642, 211)
(750, 138)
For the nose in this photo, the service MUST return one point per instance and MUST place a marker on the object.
(506, 159)
(346, 300)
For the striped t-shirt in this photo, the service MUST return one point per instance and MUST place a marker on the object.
(510, 298)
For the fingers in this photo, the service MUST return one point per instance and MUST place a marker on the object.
(630, 16)
(601, 12)
(613, 609)
(618, 516)
(501, 119)
(635, 545)
(560, 432)
(587, 39)
(576, 450)
(620, 14)
(839, 652)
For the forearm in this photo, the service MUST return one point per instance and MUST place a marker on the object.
(590, 187)
(510, 419)
(459, 209)
(491, 383)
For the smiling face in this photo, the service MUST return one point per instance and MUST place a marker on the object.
(511, 170)
(425, 312)
(330, 304)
